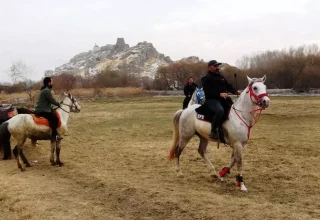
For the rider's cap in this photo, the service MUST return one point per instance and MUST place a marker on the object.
(213, 63)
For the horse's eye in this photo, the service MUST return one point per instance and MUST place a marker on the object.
(255, 88)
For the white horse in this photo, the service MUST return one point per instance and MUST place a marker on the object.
(243, 114)
(23, 126)
(197, 97)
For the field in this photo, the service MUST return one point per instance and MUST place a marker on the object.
(117, 167)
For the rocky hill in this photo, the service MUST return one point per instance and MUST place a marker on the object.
(142, 59)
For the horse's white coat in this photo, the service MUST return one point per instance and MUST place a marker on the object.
(22, 126)
(235, 130)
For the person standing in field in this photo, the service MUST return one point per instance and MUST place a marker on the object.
(189, 89)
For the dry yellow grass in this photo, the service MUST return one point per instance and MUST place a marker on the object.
(116, 167)
(128, 91)
(122, 92)
(14, 95)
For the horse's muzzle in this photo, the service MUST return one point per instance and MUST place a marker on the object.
(75, 110)
(264, 102)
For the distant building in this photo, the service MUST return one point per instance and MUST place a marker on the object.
(48, 73)
(96, 48)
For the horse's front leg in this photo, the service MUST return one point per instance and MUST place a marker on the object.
(53, 148)
(24, 159)
(58, 148)
(238, 160)
(226, 170)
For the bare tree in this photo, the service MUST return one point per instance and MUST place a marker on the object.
(20, 73)
(65, 81)
(176, 74)
(164, 75)
(243, 63)
(296, 68)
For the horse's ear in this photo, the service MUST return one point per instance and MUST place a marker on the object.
(264, 78)
(65, 94)
(250, 81)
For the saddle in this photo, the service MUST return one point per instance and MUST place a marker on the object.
(204, 114)
(7, 111)
(5, 107)
(43, 121)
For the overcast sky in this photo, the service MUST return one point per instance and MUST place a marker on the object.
(46, 34)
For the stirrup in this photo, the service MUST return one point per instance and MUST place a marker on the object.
(214, 135)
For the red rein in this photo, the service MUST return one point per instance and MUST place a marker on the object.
(257, 98)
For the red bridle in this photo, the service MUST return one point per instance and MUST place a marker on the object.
(257, 99)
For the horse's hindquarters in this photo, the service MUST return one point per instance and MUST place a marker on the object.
(23, 125)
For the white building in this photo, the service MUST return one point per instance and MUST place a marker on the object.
(96, 48)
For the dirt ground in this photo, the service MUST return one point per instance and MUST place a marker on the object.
(117, 167)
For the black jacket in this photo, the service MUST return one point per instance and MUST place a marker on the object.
(189, 89)
(214, 83)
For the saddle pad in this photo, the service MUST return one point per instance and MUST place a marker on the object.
(43, 121)
(204, 114)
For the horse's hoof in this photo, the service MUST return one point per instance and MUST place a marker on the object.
(179, 174)
(61, 164)
(28, 165)
(23, 169)
(214, 176)
(53, 163)
(243, 188)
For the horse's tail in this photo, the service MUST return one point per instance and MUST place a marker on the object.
(5, 141)
(175, 133)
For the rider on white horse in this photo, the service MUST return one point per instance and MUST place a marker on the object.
(215, 87)
(43, 107)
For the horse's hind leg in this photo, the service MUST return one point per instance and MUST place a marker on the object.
(17, 153)
(53, 148)
(58, 148)
(178, 150)
(202, 150)
(34, 143)
(24, 159)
